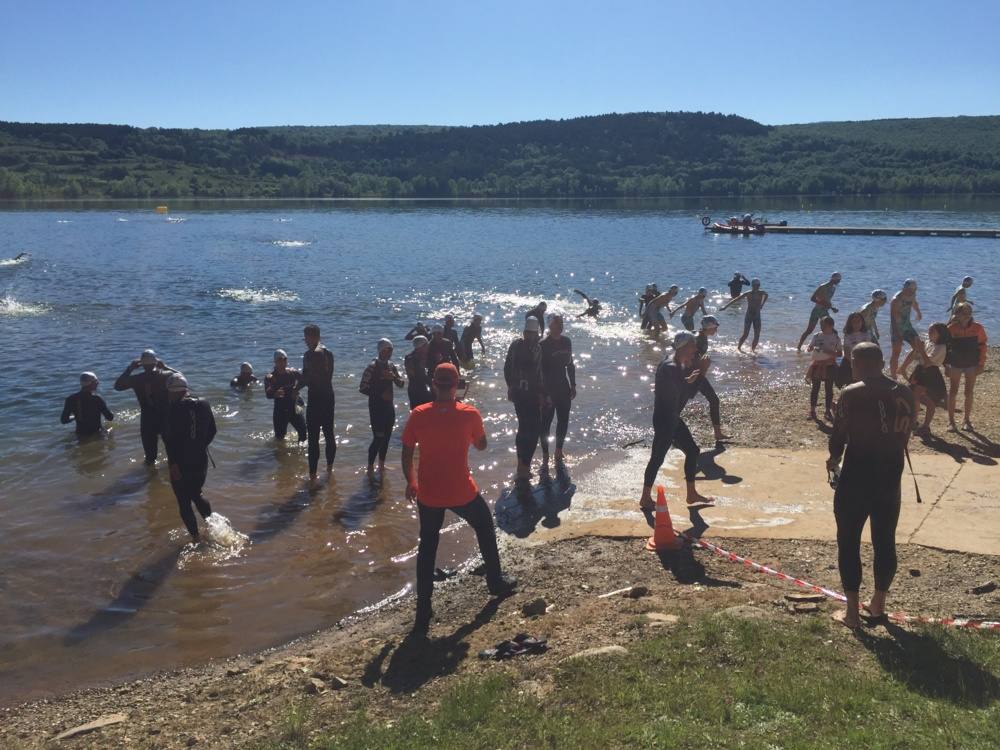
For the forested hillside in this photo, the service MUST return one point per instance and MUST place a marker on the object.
(641, 154)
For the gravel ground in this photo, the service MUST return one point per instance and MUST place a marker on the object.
(244, 700)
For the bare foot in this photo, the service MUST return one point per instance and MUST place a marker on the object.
(697, 499)
(842, 616)
(646, 503)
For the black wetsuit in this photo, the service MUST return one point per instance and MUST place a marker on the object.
(189, 429)
(285, 408)
(84, 409)
(559, 374)
(470, 334)
(672, 393)
(452, 335)
(418, 330)
(241, 383)
(704, 385)
(376, 383)
(440, 350)
(736, 286)
(522, 370)
(874, 418)
(418, 382)
(538, 315)
(317, 376)
(150, 387)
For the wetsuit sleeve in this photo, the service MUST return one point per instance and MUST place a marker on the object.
(210, 430)
(366, 380)
(269, 386)
(105, 410)
(124, 381)
(570, 366)
(329, 358)
(508, 365)
(168, 438)
(667, 398)
(838, 436)
(67, 412)
(452, 356)
(745, 280)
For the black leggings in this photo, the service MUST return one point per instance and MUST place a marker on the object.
(150, 427)
(827, 390)
(529, 425)
(319, 416)
(705, 388)
(382, 415)
(477, 514)
(662, 440)
(751, 319)
(853, 504)
(187, 490)
(559, 409)
(282, 417)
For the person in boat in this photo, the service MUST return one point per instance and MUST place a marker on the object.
(690, 307)
(961, 294)
(85, 408)
(904, 303)
(245, 379)
(755, 298)
(870, 311)
(593, 306)
(822, 300)
(471, 333)
(654, 308)
(736, 285)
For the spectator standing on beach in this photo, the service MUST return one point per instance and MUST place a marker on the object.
(825, 348)
(822, 300)
(756, 298)
(317, 376)
(903, 304)
(874, 418)
(522, 371)
(966, 356)
(444, 429)
(85, 408)
(190, 428)
(926, 381)
(377, 382)
(150, 388)
(676, 382)
(855, 332)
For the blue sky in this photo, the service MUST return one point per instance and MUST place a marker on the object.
(217, 64)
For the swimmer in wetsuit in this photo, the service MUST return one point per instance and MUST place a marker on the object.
(645, 298)
(870, 311)
(538, 313)
(559, 376)
(822, 300)
(676, 382)
(150, 388)
(522, 371)
(418, 330)
(961, 294)
(471, 333)
(655, 321)
(690, 307)
(903, 303)
(282, 386)
(756, 298)
(736, 285)
(85, 408)
(450, 333)
(874, 419)
(376, 383)
(593, 306)
(418, 386)
(189, 429)
(709, 327)
(317, 376)
(439, 350)
(245, 379)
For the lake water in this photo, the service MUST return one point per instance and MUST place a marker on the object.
(96, 582)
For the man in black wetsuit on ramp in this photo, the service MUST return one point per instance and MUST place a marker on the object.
(873, 421)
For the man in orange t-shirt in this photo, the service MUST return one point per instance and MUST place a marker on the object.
(444, 429)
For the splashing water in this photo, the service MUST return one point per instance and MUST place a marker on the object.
(219, 542)
(291, 243)
(7, 262)
(257, 296)
(10, 306)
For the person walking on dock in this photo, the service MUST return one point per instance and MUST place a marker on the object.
(903, 303)
(873, 422)
(150, 387)
(444, 430)
(822, 300)
(755, 298)
(317, 376)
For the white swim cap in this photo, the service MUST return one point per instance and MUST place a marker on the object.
(909, 284)
(246, 367)
(384, 344)
(87, 378)
(148, 357)
(280, 354)
(835, 276)
(419, 341)
(531, 325)
(967, 281)
(177, 382)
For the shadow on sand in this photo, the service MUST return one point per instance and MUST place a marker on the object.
(520, 508)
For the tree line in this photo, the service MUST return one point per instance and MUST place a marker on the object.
(615, 155)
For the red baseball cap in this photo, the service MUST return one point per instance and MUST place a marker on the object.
(446, 374)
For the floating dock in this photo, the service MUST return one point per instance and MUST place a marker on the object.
(884, 231)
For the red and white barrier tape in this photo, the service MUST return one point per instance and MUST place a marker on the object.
(955, 622)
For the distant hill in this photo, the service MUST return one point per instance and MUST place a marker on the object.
(639, 154)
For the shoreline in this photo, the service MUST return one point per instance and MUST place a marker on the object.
(772, 418)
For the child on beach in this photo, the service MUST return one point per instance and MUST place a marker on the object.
(825, 348)
(926, 380)
(855, 332)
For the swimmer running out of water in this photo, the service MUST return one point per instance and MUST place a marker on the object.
(654, 319)
(822, 300)
(650, 293)
(245, 379)
(736, 284)
(690, 307)
(282, 385)
(961, 294)
(903, 303)
(150, 388)
(756, 298)
(870, 311)
(190, 428)
(709, 327)
(376, 383)
(85, 408)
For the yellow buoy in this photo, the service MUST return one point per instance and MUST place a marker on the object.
(162, 209)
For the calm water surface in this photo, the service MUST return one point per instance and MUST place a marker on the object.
(96, 582)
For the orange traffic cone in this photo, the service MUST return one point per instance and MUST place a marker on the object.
(663, 537)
